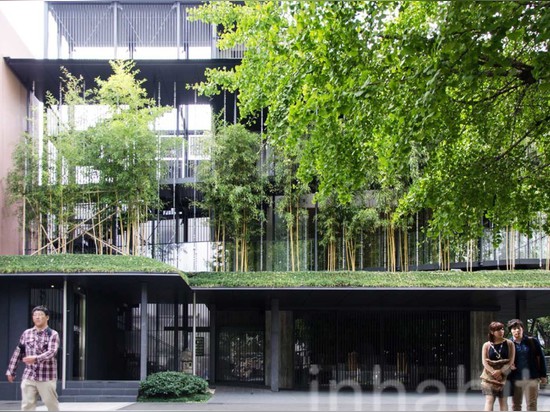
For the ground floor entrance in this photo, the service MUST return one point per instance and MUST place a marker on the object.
(125, 327)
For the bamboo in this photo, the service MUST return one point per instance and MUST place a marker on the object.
(243, 248)
(224, 248)
(405, 254)
(392, 262)
(440, 252)
(508, 252)
(297, 237)
(291, 239)
(61, 226)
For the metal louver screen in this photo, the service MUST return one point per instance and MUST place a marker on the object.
(147, 25)
(373, 348)
(84, 25)
(52, 298)
(152, 24)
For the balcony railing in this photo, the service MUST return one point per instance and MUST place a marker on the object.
(122, 30)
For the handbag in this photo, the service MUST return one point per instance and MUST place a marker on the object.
(488, 380)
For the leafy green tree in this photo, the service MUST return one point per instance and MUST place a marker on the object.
(125, 150)
(359, 219)
(112, 168)
(541, 326)
(443, 103)
(44, 181)
(233, 188)
(290, 205)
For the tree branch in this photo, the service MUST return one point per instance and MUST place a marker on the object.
(537, 124)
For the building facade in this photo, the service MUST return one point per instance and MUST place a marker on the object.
(276, 338)
(171, 53)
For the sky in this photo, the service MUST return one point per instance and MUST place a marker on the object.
(26, 17)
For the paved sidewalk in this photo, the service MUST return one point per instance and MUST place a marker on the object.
(254, 399)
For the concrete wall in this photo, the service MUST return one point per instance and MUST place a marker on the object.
(286, 346)
(13, 122)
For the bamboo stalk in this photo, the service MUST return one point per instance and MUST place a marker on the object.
(297, 237)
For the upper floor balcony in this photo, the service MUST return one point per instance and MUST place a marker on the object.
(124, 29)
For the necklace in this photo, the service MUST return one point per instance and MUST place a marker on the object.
(497, 352)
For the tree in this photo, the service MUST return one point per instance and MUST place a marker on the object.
(443, 103)
(233, 188)
(126, 152)
(290, 205)
(87, 179)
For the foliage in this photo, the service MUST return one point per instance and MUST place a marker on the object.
(110, 170)
(171, 386)
(67, 263)
(442, 104)
(329, 228)
(233, 188)
(540, 327)
(290, 205)
(358, 220)
(429, 279)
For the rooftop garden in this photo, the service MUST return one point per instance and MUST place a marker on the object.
(80, 263)
(432, 279)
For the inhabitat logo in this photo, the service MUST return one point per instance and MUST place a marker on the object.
(392, 395)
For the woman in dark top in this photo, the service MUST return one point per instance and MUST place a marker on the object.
(497, 356)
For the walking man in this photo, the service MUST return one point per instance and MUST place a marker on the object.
(37, 348)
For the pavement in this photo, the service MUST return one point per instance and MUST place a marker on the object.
(260, 399)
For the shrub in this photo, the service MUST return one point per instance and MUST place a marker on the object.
(172, 385)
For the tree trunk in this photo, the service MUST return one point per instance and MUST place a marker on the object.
(390, 249)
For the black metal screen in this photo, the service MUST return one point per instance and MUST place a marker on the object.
(240, 355)
(169, 340)
(406, 348)
(52, 298)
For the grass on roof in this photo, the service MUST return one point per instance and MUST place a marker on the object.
(432, 279)
(80, 263)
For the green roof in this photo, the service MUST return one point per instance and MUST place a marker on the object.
(83, 263)
(342, 279)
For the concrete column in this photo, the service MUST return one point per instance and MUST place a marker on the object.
(194, 333)
(275, 345)
(212, 365)
(144, 333)
(65, 334)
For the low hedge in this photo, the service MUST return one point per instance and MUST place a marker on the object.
(173, 386)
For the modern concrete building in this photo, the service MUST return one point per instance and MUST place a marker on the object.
(275, 337)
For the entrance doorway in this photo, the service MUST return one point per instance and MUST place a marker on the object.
(79, 336)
